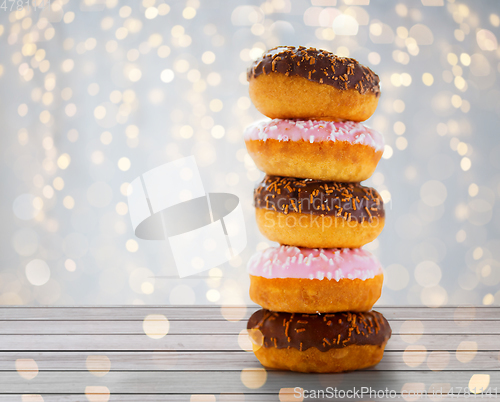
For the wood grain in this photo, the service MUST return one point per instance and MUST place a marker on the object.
(201, 354)
(204, 313)
(204, 342)
(92, 327)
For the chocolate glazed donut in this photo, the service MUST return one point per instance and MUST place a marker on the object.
(318, 85)
(317, 66)
(318, 342)
(318, 214)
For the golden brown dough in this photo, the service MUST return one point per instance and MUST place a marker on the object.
(315, 231)
(353, 357)
(298, 295)
(327, 160)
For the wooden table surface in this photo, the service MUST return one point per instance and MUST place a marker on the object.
(201, 353)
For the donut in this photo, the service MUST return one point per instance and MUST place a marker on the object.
(299, 83)
(303, 280)
(318, 214)
(319, 343)
(315, 149)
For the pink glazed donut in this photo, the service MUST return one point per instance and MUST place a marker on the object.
(304, 280)
(344, 151)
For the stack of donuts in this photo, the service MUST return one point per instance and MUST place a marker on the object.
(318, 287)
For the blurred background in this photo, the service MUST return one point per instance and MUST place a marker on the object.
(94, 93)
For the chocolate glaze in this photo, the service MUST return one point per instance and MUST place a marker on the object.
(322, 331)
(317, 66)
(350, 201)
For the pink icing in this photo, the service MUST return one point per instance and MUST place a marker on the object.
(314, 131)
(306, 263)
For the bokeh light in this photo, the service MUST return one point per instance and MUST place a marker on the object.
(414, 355)
(244, 341)
(466, 351)
(438, 360)
(92, 105)
(97, 393)
(27, 368)
(291, 394)
(156, 326)
(32, 398)
(202, 398)
(479, 383)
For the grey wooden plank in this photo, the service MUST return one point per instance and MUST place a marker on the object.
(203, 342)
(217, 361)
(129, 313)
(94, 327)
(222, 398)
(193, 382)
(226, 398)
(444, 327)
